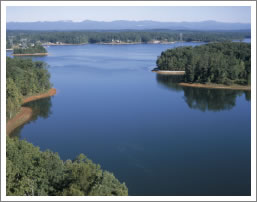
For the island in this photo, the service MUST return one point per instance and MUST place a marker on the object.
(30, 50)
(224, 65)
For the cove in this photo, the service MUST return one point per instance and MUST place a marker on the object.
(157, 137)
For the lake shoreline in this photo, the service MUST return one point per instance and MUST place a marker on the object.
(25, 113)
(169, 72)
(31, 54)
(201, 85)
(108, 43)
(216, 86)
(49, 93)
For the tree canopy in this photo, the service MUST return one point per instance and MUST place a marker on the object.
(31, 172)
(24, 78)
(223, 63)
(128, 36)
(30, 50)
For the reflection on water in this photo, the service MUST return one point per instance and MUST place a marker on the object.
(170, 81)
(210, 99)
(40, 108)
(248, 95)
(203, 98)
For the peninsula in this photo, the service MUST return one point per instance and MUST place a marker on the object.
(30, 50)
(225, 65)
(25, 113)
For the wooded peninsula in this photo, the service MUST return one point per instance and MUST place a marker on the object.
(36, 49)
(227, 63)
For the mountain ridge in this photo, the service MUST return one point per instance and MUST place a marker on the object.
(125, 24)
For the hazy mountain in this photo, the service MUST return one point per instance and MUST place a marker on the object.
(124, 24)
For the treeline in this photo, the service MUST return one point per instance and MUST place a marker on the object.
(31, 172)
(30, 50)
(79, 37)
(222, 63)
(24, 78)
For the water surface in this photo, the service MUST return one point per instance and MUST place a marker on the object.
(158, 137)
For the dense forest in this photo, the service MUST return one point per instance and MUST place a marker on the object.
(31, 172)
(30, 50)
(80, 37)
(222, 63)
(24, 78)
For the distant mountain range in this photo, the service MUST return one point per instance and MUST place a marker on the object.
(124, 24)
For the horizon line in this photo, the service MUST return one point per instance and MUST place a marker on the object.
(79, 21)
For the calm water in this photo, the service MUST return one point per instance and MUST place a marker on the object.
(157, 137)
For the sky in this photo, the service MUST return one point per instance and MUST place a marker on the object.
(240, 14)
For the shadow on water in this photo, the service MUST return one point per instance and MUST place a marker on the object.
(203, 99)
(40, 108)
(170, 81)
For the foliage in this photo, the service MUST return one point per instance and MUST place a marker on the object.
(14, 98)
(224, 63)
(128, 36)
(24, 78)
(30, 50)
(31, 172)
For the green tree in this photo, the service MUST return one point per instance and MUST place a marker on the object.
(32, 172)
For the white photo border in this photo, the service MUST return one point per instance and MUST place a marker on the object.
(252, 4)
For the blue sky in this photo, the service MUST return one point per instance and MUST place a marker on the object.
(172, 13)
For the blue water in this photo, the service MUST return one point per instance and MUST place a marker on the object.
(157, 137)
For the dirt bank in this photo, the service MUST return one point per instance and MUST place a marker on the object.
(25, 113)
(30, 54)
(19, 119)
(169, 72)
(216, 86)
(49, 93)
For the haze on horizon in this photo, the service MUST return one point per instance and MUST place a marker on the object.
(230, 14)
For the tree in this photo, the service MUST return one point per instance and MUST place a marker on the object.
(13, 98)
(224, 63)
(32, 172)
(24, 78)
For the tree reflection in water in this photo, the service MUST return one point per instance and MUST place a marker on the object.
(203, 99)
(170, 81)
(40, 108)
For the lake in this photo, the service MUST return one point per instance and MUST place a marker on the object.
(157, 137)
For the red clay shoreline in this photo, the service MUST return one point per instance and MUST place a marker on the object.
(200, 85)
(169, 72)
(216, 86)
(30, 54)
(49, 93)
(25, 113)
